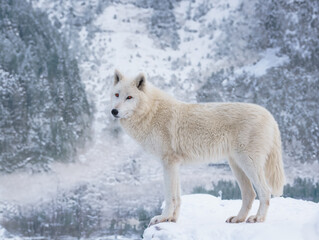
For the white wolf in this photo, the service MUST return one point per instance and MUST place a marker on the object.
(177, 133)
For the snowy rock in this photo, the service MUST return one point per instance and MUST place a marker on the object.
(203, 218)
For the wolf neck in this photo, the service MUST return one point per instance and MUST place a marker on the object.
(138, 126)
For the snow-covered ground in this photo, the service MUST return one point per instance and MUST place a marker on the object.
(4, 235)
(203, 218)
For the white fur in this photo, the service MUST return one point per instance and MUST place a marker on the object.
(177, 133)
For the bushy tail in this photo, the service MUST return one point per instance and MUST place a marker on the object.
(274, 168)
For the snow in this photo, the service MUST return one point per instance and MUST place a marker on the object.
(203, 217)
(5, 235)
(2, 232)
(269, 59)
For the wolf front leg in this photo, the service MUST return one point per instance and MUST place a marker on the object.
(172, 195)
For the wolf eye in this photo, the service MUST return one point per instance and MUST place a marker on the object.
(117, 95)
(129, 97)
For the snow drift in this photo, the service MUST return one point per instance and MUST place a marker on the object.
(203, 218)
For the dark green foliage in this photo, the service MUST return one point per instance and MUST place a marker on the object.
(225, 189)
(68, 214)
(144, 216)
(163, 25)
(121, 226)
(277, 24)
(305, 189)
(44, 111)
(76, 213)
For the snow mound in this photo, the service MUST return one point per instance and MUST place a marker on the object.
(4, 235)
(203, 217)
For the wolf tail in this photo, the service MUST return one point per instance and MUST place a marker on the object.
(274, 168)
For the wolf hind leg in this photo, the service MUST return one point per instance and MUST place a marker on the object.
(247, 193)
(253, 166)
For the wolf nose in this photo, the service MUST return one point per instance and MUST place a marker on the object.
(114, 112)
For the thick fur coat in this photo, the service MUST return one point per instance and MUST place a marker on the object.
(180, 133)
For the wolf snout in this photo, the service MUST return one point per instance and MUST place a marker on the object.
(114, 112)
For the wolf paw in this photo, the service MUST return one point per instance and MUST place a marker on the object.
(160, 218)
(255, 218)
(234, 219)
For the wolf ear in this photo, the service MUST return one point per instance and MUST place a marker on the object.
(140, 81)
(117, 76)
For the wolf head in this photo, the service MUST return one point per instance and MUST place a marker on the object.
(126, 94)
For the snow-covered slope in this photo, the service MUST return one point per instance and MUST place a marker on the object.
(203, 218)
(211, 51)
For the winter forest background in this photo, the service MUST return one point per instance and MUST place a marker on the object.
(67, 168)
